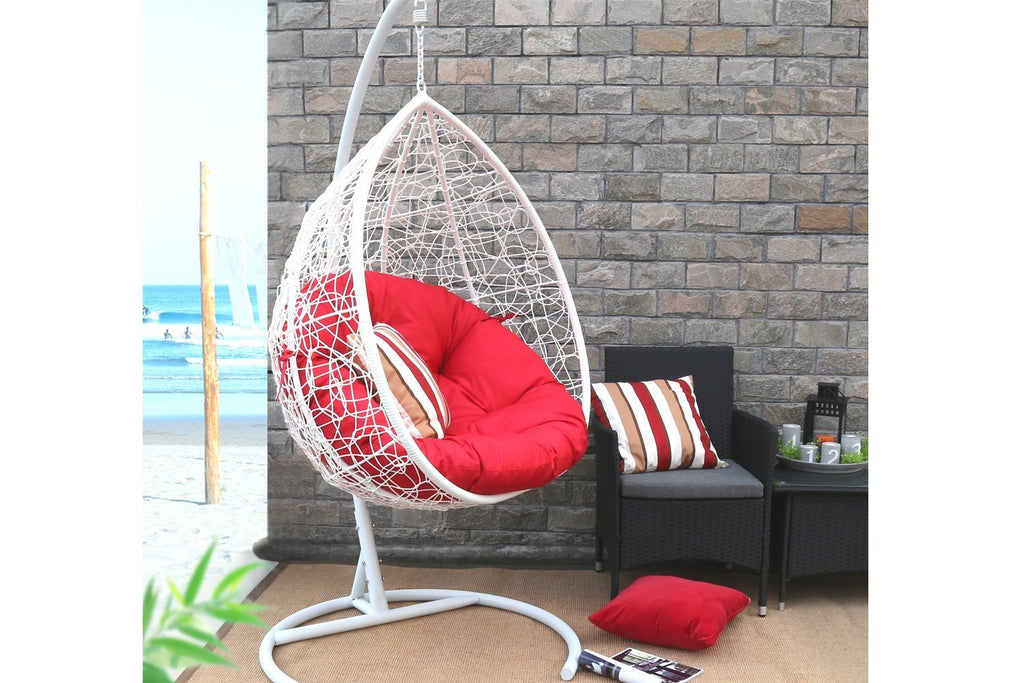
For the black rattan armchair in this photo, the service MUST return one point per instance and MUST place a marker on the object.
(720, 515)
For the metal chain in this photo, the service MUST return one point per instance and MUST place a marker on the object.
(419, 17)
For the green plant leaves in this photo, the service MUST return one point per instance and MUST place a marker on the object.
(181, 637)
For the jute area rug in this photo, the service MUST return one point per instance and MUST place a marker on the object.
(822, 635)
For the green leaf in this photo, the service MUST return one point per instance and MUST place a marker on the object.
(148, 605)
(204, 637)
(189, 653)
(230, 583)
(151, 673)
(194, 584)
(235, 614)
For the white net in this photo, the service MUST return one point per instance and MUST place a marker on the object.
(424, 199)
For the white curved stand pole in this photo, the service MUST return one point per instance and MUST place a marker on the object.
(369, 597)
(366, 67)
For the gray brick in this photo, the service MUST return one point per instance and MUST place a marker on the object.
(716, 158)
(849, 12)
(634, 11)
(521, 12)
(631, 303)
(747, 12)
(689, 70)
(691, 11)
(768, 218)
(556, 40)
(444, 41)
(658, 275)
(712, 217)
(789, 361)
(576, 186)
(756, 129)
(632, 70)
(771, 159)
(522, 127)
(577, 128)
(821, 278)
(794, 306)
(635, 187)
(520, 70)
(657, 216)
(843, 362)
(801, 130)
(605, 100)
(803, 71)
(840, 249)
(605, 158)
(732, 304)
(284, 102)
(794, 249)
(803, 12)
(297, 15)
(846, 188)
(797, 188)
(709, 332)
(676, 246)
(284, 45)
(771, 100)
(660, 99)
(662, 40)
(775, 41)
(669, 157)
(688, 187)
(746, 71)
(765, 333)
(656, 331)
(328, 43)
(684, 303)
(713, 275)
(716, 100)
(577, 70)
(494, 41)
(604, 216)
(832, 42)
(739, 248)
(605, 274)
(602, 40)
(398, 41)
(629, 246)
(577, 12)
(689, 128)
(849, 306)
(455, 13)
(827, 159)
(549, 99)
(850, 72)
(767, 277)
(636, 129)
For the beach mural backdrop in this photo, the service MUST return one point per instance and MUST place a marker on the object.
(172, 351)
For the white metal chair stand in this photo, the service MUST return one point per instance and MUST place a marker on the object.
(369, 597)
(345, 229)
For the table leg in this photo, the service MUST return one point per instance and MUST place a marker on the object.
(784, 561)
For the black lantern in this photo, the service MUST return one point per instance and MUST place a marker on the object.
(828, 402)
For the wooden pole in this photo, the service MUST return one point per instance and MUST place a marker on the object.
(211, 393)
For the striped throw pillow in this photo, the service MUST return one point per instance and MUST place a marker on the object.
(657, 423)
(415, 388)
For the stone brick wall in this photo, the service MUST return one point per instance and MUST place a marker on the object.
(701, 166)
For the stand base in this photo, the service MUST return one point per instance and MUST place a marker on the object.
(290, 629)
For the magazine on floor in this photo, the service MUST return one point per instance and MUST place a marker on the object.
(636, 666)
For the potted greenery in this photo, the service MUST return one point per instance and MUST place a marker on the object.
(178, 635)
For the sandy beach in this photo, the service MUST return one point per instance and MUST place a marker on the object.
(178, 525)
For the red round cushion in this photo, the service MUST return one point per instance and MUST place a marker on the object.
(513, 425)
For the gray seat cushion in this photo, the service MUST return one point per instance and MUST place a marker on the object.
(687, 484)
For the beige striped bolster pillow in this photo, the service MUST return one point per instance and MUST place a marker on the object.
(414, 387)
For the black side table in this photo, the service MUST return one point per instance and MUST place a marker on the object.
(822, 523)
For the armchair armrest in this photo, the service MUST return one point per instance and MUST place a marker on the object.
(754, 442)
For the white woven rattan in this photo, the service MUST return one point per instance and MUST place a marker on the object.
(428, 200)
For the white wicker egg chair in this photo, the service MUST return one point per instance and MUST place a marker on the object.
(425, 199)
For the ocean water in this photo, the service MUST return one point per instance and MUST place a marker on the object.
(172, 354)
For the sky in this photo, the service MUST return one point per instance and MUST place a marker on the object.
(203, 99)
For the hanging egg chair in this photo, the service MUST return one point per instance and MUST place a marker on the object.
(424, 343)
